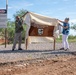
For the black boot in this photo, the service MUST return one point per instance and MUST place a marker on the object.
(20, 49)
(61, 48)
(12, 49)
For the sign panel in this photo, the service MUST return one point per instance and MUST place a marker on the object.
(3, 18)
(43, 32)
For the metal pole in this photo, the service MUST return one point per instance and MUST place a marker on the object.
(6, 28)
(6, 4)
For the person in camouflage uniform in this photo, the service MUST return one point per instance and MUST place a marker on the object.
(18, 33)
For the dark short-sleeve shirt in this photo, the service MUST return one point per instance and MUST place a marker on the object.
(66, 31)
(18, 24)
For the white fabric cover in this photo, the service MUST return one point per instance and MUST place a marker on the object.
(41, 20)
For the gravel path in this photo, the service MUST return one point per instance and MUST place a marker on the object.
(34, 51)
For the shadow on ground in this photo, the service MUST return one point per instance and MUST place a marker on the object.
(46, 52)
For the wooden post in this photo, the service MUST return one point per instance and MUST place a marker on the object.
(54, 42)
(26, 43)
(5, 37)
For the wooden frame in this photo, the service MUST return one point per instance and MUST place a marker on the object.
(53, 44)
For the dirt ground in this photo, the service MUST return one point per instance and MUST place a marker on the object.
(39, 59)
(62, 65)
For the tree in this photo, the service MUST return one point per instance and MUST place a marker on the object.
(2, 32)
(10, 29)
(74, 27)
(20, 13)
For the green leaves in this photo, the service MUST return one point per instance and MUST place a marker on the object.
(73, 27)
(20, 13)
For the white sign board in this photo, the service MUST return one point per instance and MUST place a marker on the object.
(3, 18)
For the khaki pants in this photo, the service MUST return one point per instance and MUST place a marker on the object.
(17, 38)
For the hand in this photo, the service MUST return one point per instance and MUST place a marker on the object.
(58, 19)
(60, 24)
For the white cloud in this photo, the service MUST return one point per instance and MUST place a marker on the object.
(73, 21)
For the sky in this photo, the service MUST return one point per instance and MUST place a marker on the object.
(53, 8)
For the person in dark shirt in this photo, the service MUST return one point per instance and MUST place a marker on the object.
(65, 33)
(18, 33)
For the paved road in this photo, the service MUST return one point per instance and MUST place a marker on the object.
(34, 51)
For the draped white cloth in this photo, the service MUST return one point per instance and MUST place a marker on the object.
(41, 20)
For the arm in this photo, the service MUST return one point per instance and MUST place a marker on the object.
(60, 21)
(25, 14)
(65, 27)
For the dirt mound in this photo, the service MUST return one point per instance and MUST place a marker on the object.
(54, 66)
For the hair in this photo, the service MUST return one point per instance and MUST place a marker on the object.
(17, 17)
(67, 18)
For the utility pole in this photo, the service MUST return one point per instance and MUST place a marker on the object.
(6, 28)
(6, 4)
